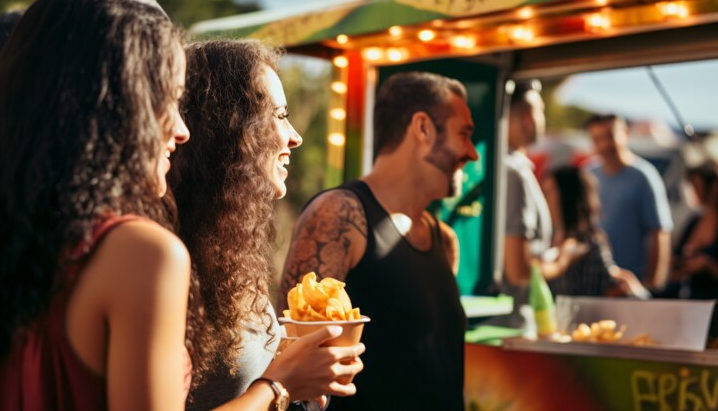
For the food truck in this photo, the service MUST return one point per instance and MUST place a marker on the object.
(489, 44)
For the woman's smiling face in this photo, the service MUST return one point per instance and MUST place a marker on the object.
(174, 129)
(287, 137)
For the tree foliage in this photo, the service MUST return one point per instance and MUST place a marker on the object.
(306, 85)
(559, 116)
(13, 5)
(188, 12)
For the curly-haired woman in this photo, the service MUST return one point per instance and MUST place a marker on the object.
(225, 184)
(93, 290)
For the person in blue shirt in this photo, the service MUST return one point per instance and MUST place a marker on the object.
(635, 213)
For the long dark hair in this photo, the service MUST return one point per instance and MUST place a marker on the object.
(223, 194)
(577, 196)
(82, 84)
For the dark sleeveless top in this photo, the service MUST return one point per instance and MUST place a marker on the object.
(588, 275)
(415, 341)
(42, 371)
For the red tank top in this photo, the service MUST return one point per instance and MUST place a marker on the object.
(44, 372)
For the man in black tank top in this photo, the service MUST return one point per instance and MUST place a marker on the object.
(396, 259)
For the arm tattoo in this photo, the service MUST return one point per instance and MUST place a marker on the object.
(323, 239)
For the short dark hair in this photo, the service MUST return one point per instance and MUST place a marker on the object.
(404, 94)
(600, 118)
(575, 189)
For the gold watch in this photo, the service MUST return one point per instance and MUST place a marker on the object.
(281, 395)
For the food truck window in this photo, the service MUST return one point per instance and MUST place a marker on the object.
(471, 214)
(670, 110)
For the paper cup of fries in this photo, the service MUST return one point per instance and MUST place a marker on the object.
(313, 305)
(351, 329)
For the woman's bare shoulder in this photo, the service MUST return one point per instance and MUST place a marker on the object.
(146, 237)
(138, 254)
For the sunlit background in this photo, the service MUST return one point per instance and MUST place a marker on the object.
(633, 93)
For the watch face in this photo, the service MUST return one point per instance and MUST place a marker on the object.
(283, 400)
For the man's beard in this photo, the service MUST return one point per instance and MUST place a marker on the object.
(447, 162)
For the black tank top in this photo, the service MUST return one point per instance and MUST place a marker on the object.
(415, 340)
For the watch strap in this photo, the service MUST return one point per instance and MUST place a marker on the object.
(281, 395)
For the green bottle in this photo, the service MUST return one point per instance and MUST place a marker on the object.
(541, 301)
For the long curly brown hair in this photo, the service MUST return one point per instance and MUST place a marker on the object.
(83, 83)
(223, 192)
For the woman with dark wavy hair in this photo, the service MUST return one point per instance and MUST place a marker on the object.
(225, 184)
(572, 197)
(93, 290)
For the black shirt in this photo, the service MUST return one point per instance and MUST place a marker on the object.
(415, 341)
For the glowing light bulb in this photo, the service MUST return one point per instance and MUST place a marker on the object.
(668, 8)
(463, 42)
(338, 113)
(336, 139)
(674, 9)
(427, 35)
(342, 39)
(526, 13)
(341, 61)
(339, 87)
(682, 11)
(372, 53)
(395, 54)
(395, 31)
(521, 33)
(598, 21)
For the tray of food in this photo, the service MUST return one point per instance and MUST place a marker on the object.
(659, 323)
(654, 330)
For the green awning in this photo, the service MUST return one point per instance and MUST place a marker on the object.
(313, 23)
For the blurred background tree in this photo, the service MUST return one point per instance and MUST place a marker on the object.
(306, 84)
(13, 5)
(188, 12)
(558, 115)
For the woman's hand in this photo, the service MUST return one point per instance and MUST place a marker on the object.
(308, 370)
(627, 284)
(573, 250)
